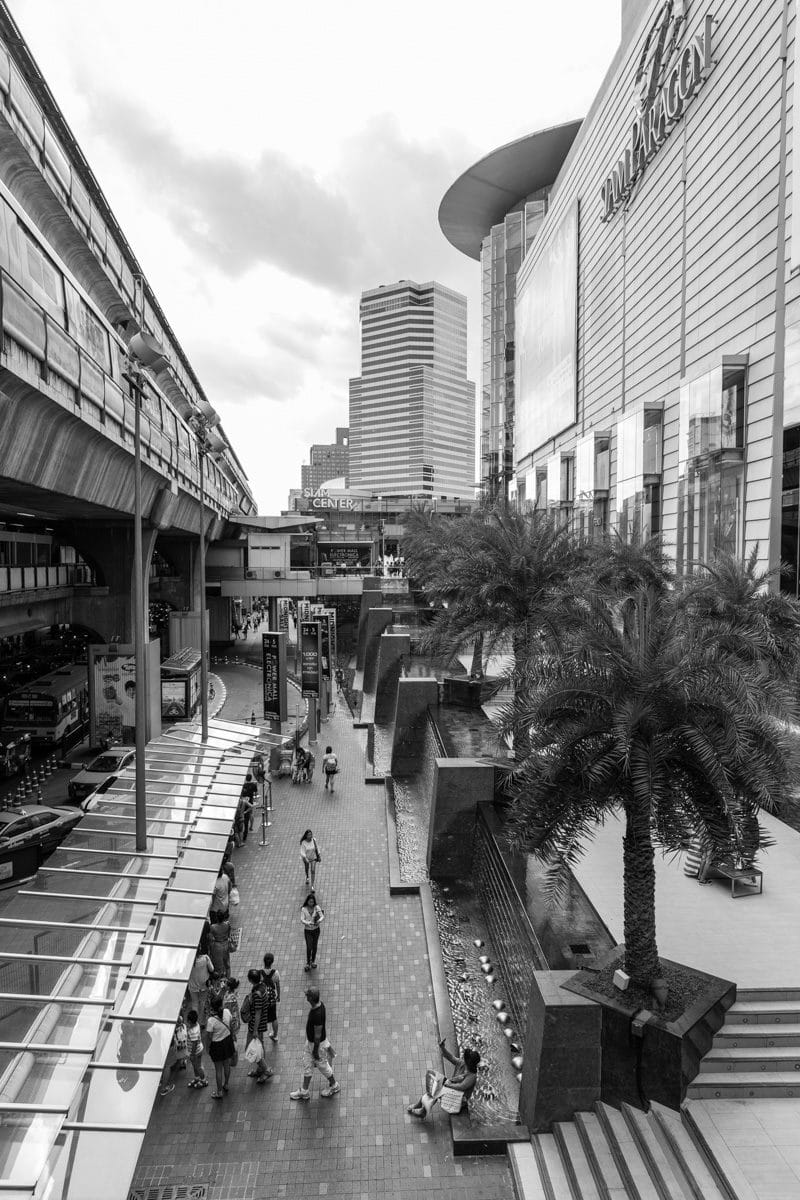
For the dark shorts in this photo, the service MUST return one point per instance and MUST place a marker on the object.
(219, 1051)
(272, 1012)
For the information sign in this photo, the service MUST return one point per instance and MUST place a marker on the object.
(310, 656)
(273, 662)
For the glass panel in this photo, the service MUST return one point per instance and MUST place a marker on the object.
(59, 1023)
(208, 841)
(80, 943)
(143, 1042)
(183, 931)
(584, 468)
(78, 980)
(40, 1076)
(151, 999)
(218, 828)
(134, 888)
(116, 864)
(120, 1097)
(123, 842)
(196, 881)
(198, 858)
(25, 1144)
(185, 902)
(165, 962)
(630, 435)
(122, 823)
(791, 396)
(88, 1165)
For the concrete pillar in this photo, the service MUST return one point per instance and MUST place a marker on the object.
(414, 698)
(110, 551)
(459, 784)
(369, 599)
(272, 620)
(394, 650)
(378, 619)
(562, 1057)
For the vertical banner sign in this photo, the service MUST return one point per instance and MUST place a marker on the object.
(325, 644)
(310, 655)
(283, 614)
(304, 610)
(112, 693)
(330, 613)
(273, 660)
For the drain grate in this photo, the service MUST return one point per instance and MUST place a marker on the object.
(172, 1191)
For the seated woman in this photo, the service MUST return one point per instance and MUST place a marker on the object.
(462, 1080)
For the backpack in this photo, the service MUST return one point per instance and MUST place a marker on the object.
(331, 764)
(271, 992)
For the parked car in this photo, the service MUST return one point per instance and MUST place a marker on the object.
(104, 770)
(29, 834)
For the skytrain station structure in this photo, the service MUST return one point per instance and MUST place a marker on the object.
(655, 335)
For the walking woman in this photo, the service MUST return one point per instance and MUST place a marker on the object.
(255, 1011)
(220, 1046)
(309, 855)
(312, 917)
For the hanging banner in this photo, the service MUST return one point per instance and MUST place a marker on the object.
(325, 643)
(331, 615)
(304, 610)
(310, 656)
(273, 665)
(283, 614)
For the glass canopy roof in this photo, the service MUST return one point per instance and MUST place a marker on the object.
(95, 955)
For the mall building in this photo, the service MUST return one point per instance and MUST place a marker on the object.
(656, 310)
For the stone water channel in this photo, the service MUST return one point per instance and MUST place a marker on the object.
(464, 941)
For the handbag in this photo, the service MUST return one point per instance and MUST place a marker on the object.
(254, 1051)
(316, 850)
(451, 1099)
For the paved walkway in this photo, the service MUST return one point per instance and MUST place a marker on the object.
(375, 981)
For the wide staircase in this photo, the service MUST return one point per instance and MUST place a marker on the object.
(627, 1154)
(756, 1053)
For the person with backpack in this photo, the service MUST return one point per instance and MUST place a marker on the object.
(309, 855)
(330, 765)
(272, 984)
(254, 1011)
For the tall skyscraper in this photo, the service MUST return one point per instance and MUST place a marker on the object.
(412, 409)
(328, 461)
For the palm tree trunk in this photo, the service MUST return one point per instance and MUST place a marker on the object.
(476, 667)
(639, 886)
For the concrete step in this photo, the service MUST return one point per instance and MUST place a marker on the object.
(632, 1167)
(756, 995)
(525, 1173)
(691, 1168)
(662, 1167)
(577, 1166)
(600, 1156)
(552, 1172)
(744, 1085)
(720, 1059)
(732, 1035)
(733, 1184)
(764, 1012)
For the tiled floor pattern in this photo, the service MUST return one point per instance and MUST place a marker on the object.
(764, 1138)
(375, 981)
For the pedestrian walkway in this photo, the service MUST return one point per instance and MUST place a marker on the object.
(374, 978)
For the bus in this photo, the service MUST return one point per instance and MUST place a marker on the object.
(53, 709)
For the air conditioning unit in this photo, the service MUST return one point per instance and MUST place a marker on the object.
(251, 575)
(278, 574)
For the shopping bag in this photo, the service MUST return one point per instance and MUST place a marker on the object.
(255, 1051)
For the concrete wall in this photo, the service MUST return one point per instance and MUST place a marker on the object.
(393, 650)
(414, 698)
(459, 785)
(370, 598)
(378, 619)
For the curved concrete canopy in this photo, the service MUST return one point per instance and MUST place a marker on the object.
(481, 197)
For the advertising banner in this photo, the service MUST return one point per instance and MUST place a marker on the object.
(304, 610)
(283, 615)
(325, 643)
(310, 656)
(331, 615)
(112, 694)
(273, 661)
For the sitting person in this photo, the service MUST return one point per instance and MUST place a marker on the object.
(462, 1080)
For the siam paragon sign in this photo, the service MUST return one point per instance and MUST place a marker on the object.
(671, 71)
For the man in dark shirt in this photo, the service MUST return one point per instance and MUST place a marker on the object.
(316, 1051)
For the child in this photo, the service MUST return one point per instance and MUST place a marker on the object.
(194, 1037)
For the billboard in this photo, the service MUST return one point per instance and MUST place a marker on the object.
(273, 662)
(112, 694)
(310, 658)
(546, 333)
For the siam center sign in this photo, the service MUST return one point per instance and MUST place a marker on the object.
(669, 75)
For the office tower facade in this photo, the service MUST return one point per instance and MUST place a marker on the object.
(412, 409)
(331, 461)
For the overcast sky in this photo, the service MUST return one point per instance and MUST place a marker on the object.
(269, 162)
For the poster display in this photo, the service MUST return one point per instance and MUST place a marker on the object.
(283, 615)
(273, 663)
(112, 694)
(304, 610)
(547, 340)
(331, 615)
(310, 656)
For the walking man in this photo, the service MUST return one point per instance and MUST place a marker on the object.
(316, 1051)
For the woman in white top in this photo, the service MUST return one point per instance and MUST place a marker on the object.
(312, 917)
(309, 855)
(220, 1045)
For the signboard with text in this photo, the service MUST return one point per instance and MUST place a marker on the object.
(331, 615)
(273, 663)
(310, 658)
(283, 614)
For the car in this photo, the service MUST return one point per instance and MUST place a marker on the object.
(103, 770)
(29, 834)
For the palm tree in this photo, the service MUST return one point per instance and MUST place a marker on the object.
(498, 577)
(662, 706)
